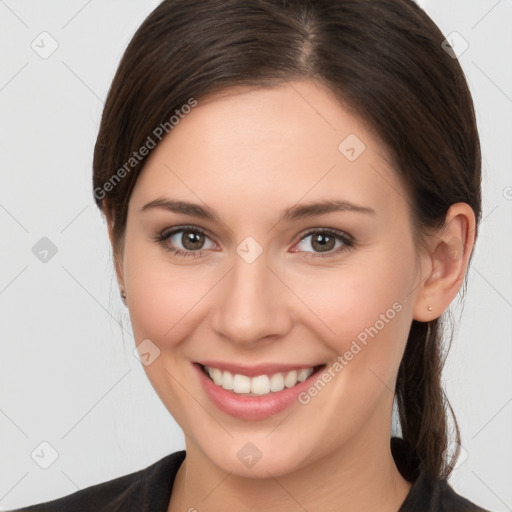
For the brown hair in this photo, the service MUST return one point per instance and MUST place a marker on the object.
(383, 58)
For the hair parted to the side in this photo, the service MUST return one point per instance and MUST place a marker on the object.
(382, 58)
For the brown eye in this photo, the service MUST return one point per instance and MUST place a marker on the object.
(185, 241)
(192, 240)
(322, 242)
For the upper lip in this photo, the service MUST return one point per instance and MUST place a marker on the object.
(254, 371)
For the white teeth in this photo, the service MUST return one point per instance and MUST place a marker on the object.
(303, 374)
(227, 380)
(290, 379)
(241, 384)
(260, 385)
(217, 376)
(277, 382)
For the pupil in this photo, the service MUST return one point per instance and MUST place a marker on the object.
(325, 242)
(192, 240)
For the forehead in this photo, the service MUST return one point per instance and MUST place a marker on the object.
(251, 148)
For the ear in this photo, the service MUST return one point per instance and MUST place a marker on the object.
(116, 252)
(445, 263)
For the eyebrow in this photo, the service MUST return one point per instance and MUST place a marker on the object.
(298, 211)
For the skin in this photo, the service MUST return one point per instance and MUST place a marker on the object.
(248, 154)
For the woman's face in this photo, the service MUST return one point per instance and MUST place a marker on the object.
(269, 283)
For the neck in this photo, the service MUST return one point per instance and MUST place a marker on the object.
(360, 475)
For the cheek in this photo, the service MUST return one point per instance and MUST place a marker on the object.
(166, 300)
(165, 304)
(368, 306)
(362, 309)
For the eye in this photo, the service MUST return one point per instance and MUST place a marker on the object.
(324, 243)
(186, 241)
(190, 241)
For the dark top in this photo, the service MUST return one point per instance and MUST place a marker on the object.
(149, 490)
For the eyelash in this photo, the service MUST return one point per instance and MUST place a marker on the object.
(163, 236)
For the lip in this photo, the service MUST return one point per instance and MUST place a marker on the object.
(253, 408)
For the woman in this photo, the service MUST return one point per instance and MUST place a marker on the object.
(292, 191)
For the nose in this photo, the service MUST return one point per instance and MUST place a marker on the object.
(251, 304)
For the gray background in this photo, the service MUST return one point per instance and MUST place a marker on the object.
(68, 376)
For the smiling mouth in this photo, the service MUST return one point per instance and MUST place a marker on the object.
(260, 385)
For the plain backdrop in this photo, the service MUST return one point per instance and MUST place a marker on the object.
(68, 376)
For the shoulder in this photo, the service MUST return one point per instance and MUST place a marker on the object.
(450, 500)
(436, 496)
(146, 489)
(426, 494)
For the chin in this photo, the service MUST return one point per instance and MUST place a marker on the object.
(257, 458)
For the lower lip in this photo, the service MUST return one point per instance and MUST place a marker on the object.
(252, 407)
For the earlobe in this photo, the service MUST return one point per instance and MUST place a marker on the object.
(450, 249)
